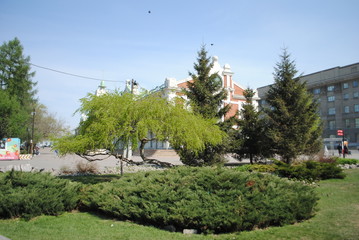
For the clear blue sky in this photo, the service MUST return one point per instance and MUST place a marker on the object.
(119, 40)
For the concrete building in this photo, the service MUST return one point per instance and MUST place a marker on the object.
(337, 91)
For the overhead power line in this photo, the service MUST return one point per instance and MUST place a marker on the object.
(74, 75)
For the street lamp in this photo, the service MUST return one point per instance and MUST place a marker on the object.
(32, 133)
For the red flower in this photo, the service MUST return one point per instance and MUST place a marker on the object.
(250, 183)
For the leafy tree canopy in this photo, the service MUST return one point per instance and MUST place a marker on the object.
(115, 120)
(15, 72)
(16, 90)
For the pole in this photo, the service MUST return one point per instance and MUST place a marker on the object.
(132, 81)
(128, 140)
(343, 149)
(32, 133)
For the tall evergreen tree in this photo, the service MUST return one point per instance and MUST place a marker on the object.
(206, 94)
(250, 140)
(205, 91)
(17, 87)
(295, 125)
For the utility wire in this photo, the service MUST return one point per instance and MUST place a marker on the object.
(74, 75)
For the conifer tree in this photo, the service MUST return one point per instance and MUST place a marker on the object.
(206, 94)
(16, 89)
(250, 139)
(295, 125)
(205, 91)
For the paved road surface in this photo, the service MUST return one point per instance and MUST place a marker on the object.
(49, 161)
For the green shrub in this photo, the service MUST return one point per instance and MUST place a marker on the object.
(269, 168)
(347, 161)
(208, 199)
(309, 171)
(24, 194)
(244, 168)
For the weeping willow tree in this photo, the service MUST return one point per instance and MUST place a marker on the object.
(114, 121)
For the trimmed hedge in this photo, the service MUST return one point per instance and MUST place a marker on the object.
(24, 194)
(207, 199)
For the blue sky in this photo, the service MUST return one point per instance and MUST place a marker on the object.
(119, 40)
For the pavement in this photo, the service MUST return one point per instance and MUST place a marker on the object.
(48, 160)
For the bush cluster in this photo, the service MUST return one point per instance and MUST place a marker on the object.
(207, 199)
(263, 168)
(308, 171)
(346, 161)
(24, 194)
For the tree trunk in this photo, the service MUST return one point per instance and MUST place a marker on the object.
(142, 148)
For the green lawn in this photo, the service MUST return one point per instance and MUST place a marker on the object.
(336, 218)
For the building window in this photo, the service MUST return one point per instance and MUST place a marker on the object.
(346, 109)
(345, 85)
(331, 111)
(330, 88)
(331, 125)
(355, 83)
(356, 108)
(357, 123)
(356, 95)
(316, 91)
(331, 98)
(347, 123)
(346, 96)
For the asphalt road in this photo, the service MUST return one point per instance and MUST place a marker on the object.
(47, 160)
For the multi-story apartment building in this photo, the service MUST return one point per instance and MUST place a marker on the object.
(337, 90)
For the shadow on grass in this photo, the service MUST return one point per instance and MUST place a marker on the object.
(92, 179)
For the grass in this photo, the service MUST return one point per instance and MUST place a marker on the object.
(336, 218)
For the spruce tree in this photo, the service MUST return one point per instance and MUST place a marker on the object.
(295, 125)
(206, 94)
(250, 139)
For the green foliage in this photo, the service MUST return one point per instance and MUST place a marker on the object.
(307, 171)
(336, 219)
(206, 94)
(250, 139)
(310, 170)
(13, 117)
(116, 119)
(27, 195)
(346, 161)
(208, 199)
(295, 125)
(16, 90)
(264, 168)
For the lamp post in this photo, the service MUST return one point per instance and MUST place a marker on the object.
(32, 132)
